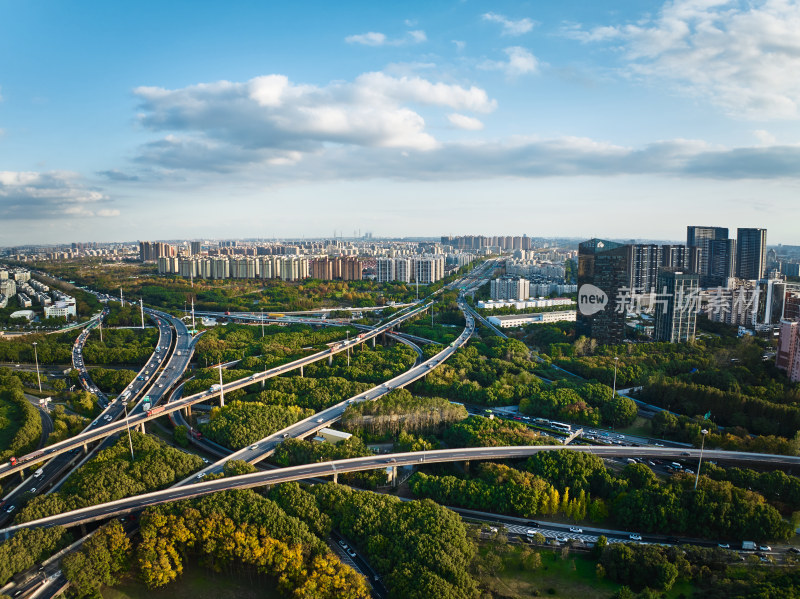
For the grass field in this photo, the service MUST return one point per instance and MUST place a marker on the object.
(198, 583)
(639, 428)
(575, 576)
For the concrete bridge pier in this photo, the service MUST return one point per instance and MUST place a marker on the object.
(336, 478)
(330, 360)
(394, 476)
(188, 412)
(373, 342)
(85, 448)
(301, 371)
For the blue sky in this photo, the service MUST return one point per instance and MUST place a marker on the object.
(157, 120)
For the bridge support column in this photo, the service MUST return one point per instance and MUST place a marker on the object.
(394, 476)
(221, 401)
(188, 411)
(330, 360)
(301, 371)
(373, 342)
(85, 448)
(142, 429)
(336, 478)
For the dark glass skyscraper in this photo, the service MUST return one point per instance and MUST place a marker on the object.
(603, 275)
(751, 253)
(701, 238)
(676, 306)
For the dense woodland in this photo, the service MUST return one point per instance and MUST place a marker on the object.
(420, 549)
(579, 486)
(234, 531)
(239, 424)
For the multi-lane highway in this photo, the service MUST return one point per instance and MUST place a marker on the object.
(259, 479)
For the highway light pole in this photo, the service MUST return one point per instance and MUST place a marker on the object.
(141, 309)
(36, 357)
(700, 461)
(614, 393)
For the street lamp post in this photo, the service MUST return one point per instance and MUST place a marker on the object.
(36, 357)
(700, 461)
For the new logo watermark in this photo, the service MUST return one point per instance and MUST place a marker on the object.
(591, 299)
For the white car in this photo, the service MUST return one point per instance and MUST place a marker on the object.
(575, 529)
(635, 537)
(254, 447)
(201, 475)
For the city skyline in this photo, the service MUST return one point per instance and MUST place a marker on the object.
(187, 120)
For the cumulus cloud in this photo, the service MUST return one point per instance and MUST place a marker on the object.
(34, 196)
(743, 57)
(375, 38)
(224, 124)
(462, 121)
(520, 62)
(510, 26)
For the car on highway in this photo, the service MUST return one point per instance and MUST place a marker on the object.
(723, 545)
(575, 529)
(10, 509)
(562, 539)
(254, 447)
(793, 550)
(284, 435)
(350, 552)
(200, 475)
(764, 548)
(320, 419)
(343, 544)
(635, 537)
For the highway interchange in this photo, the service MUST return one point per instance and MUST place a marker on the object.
(167, 366)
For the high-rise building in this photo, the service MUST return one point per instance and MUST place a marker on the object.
(701, 238)
(510, 288)
(788, 356)
(602, 275)
(676, 306)
(195, 247)
(751, 253)
(721, 262)
(645, 260)
(384, 269)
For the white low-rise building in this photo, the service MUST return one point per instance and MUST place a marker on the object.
(520, 320)
(60, 309)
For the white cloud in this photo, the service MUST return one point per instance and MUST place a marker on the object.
(35, 195)
(463, 121)
(520, 62)
(221, 126)
(765, 138)
(375, 38)
(510, 26)
(742, 57)
(459, 44)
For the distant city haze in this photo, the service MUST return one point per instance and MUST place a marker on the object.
(187, 120)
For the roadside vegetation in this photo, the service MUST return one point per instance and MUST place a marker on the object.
(20, 422)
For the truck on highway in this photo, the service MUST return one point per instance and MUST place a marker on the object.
(748, 546)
